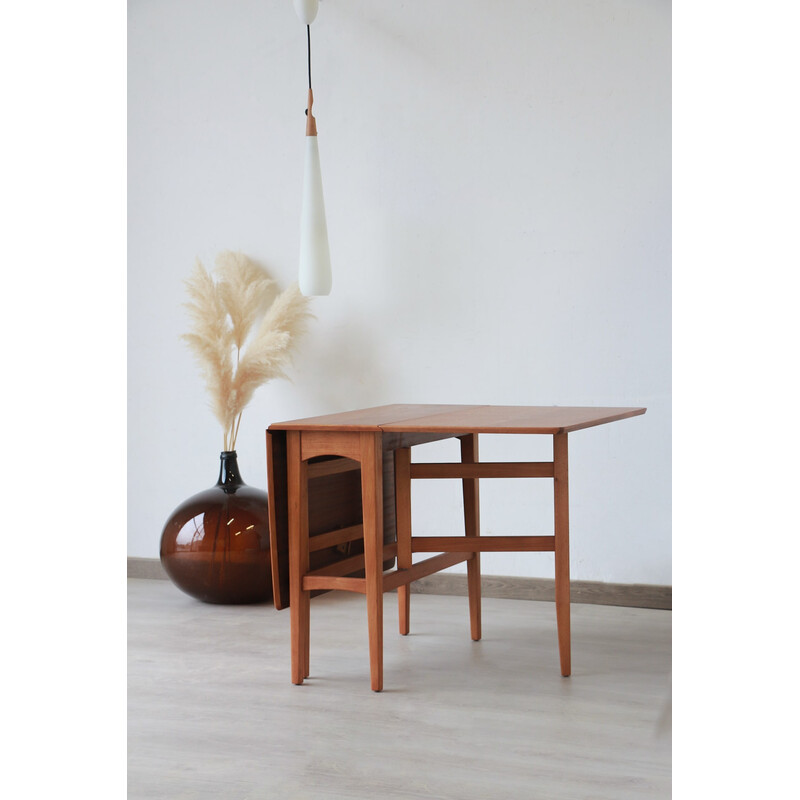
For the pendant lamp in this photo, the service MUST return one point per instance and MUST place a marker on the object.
(315, 257)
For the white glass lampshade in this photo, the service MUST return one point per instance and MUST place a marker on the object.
(306, 10)
(315, 257)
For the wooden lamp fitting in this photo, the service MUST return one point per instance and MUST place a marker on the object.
(311, 123)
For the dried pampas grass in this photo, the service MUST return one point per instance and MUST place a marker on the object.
(242, 315)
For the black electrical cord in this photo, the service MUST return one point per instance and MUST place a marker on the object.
(308, 30)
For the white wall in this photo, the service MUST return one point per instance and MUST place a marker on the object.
(497, 179)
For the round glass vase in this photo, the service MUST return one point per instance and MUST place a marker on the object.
(215, 545)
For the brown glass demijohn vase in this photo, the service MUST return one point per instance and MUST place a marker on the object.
(215, 545)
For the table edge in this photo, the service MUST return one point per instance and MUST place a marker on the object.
(407, 426)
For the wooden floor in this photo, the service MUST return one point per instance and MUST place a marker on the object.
(212, 712)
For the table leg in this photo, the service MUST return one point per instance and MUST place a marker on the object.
(469, 455)
(372, 504)
(402, 490)
(299, 600)
(561, 506)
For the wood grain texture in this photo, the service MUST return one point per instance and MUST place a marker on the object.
(360, 435)
(561, 514)
(325, 443)
(334, 504)
(331, 466)
(513, 419)
(486, 469)
(337, 537)
(371, 457)
(402, 477)
(341, 583)
(401, 577)
(485, 544)
(353, 564)
(277, 492)
(472, 530)
(463, 419)
(402, 425)
(394, 439)
(364, 419)
(298, 557)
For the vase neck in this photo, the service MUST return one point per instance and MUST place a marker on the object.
(229, 476)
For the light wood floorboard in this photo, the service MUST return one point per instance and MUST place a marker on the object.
(213, 714)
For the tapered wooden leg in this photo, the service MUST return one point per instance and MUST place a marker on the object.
(299, 600)
(306, 626)
(372, 502)
(402, 493)
(469, 455)
(561, 505)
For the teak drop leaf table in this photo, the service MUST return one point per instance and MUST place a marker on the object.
(340, 508)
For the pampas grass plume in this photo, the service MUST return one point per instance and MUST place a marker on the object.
(243, 333)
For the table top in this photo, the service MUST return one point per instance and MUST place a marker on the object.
(415, 418)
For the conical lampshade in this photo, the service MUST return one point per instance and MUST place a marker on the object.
(306, 10)
(315, 257)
